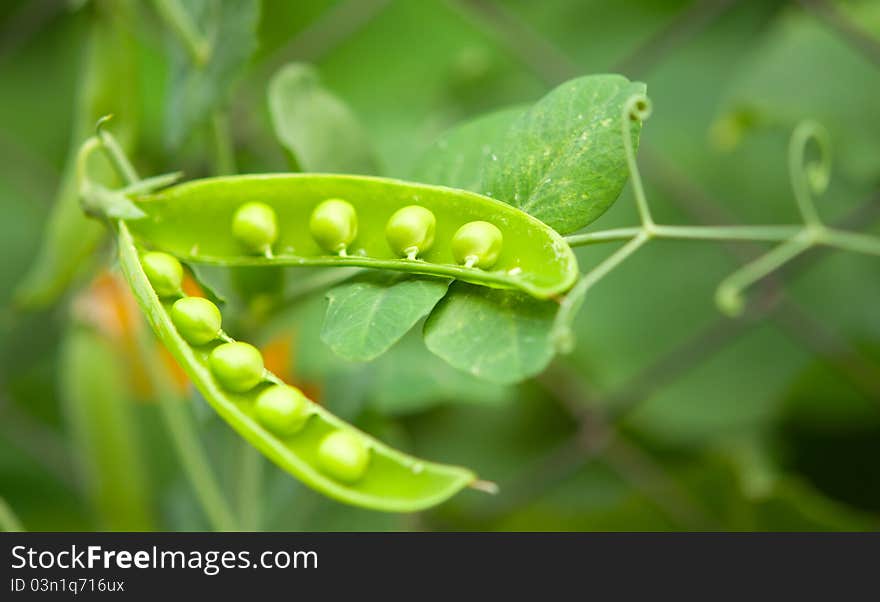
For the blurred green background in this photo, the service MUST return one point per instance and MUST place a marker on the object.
(666, 416)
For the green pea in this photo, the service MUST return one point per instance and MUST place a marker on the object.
(333, 224)
(237, 366)
(196, 319)
(477, 244)
(343, 456)
(282, 409)
(255, 226)
(164, 272)
(410, 231)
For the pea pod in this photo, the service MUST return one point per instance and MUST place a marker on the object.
(193, 221)
(390, 480)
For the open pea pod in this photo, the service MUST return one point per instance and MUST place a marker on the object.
(392, 481)
(188, 221)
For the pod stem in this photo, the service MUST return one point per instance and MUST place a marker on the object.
(489, 487)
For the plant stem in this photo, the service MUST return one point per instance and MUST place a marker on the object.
(249, 483)
(591, 238)
(856, 242)
(614, 260)
(9, 522)
(180, 22)
(759, 233)
(562, 336)
(224, 153)
(771, 233)
(729, 294)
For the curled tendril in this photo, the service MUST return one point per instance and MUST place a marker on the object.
(99, 126)
(809, 177)
(730, 300)
(82, 159)
(636, 107)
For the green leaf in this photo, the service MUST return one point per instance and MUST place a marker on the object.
(409, 379)
(317, 129)
(196, 91)
(456, 158)
(563, 160)
(501, 336)
(204, 277)
(100, 201)
(370, 313)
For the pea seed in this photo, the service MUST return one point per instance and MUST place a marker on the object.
(196, 319)
(343, 456)
(237, 366)
(477, 244)
(255, 226)
(282, 409)
(164, 272)
(410, 231)
(333, 224)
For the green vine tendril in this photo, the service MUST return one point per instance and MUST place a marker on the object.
(809, 177)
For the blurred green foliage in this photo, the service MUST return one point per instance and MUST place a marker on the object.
(665, 416)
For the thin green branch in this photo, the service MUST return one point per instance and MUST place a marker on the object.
(591, 238)
(176, 17)
(615, 259)
(563, 339)
(729, 295)
(808, 177)
(9, 522)
(743, 233)
(749, 233)
(856, 242)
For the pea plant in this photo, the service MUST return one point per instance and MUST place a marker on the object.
(476, 246)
